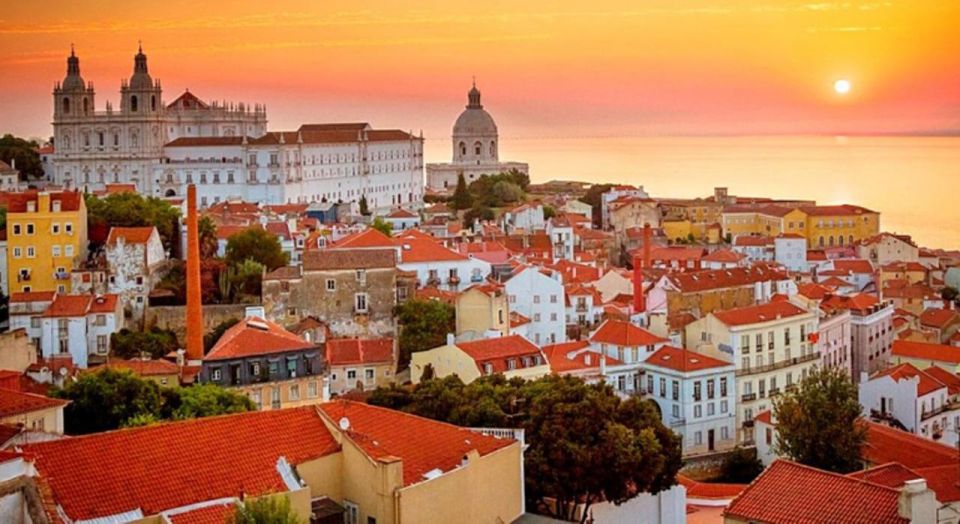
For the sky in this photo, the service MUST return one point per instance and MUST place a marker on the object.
(546, 68)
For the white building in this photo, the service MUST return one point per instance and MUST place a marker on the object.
(135, 258)
(914, 400)
(790, 250)
(561, 236)
(525, 218)
(26, 310)
(626, 347)
(402, 219)
(696, 395)
(80, 326)
(540, 298)
(438, 266)
(94, 148)
(757, 248)
(616, 193)
(476, 149)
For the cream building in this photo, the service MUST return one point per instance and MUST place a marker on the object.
(513, 356)
(482, 309)
(475, 149)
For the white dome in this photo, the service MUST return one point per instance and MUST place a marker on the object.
(474, 122)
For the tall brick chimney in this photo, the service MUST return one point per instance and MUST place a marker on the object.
(639, 300)
(194, 300)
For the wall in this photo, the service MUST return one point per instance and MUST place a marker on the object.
(445, 360)
(174, 317)
(16, 350)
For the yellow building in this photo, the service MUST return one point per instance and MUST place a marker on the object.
(481, 309)
(46, 237)
(839, 226)
(513, 356)
(677, 229)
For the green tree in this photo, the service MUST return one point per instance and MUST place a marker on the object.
(207, 232)
(382, 226)
(462, 199)
(203, 400)
(478, 213)
(266, 510)
(728, 238)
(424, 324)
(740, 466)
(593, 196)
(506, 193)
(106, 400)
(22, 154)
(949, 293)
(210, 339)
(817, 425)
(153, 343)
(257, 244)
(549, 212)
(364, 206)
(132, 210)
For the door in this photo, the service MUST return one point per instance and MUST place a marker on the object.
(710, 440)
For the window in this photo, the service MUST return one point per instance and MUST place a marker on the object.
(676, 411)
(331, 284)
(369, 373)
(360, 302)
(17, 253)
(676, 390)
(351, 513)
(710, 389)
(711, 409)
(101, 320)
(723, 386)
(55, 228)
(723, 406)
(29, 229)
(698, 438)
(295, 392)
(312, 389)
(215, 374)
(696, 390)
(255, 369)
(553, 299)
(697, 411)
(16, 229)
(101, 344)
(361, 276)
(56, 251)
(663, 387)
(650, 384)
(536, 299)
(68, 227)
(351, 374)
(31, 252)
(68, 250)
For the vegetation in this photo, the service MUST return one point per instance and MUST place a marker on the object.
(364, 206)
(241, 282)
(949, 293)
(265, 510)
(424, 324)
(462, 198)
(109, 399)
(132, 210)
(207, 232)
(22, 153)
(585, 443)
(817, 424)
(498, 190)
(154, 343)
(258, 245)
(740, 466)
(382, 226)
(478, 213)
(592, 197)
(549, 212)
(211, 338)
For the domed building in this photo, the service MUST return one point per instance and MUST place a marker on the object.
(475, 148)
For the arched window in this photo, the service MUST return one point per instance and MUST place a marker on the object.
(840, 239)
(463, 147)
(821, 241)
(134, 140)
(851, 240)
(493, 149)
(477, 147)
(830, 240)
(133, 103)
(66, 106)
(86, 105)
(153, 103)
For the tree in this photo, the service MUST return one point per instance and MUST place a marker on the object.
(593, 197)
(132, 210)
(153, 343)
(257, 244)
(203, 400)
(740, 466)
(207, 233)
(424, 324)
(817, 425)
(269, 509)
(364, 206)
(949, 293)
(22, 154)
(478, 213)
(106, 400)
(462, 199)
(382, 226)
(728, 238)
(211, 338)
(549, 212)
(506, 192)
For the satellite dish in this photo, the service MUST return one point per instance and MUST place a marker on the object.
(63, 372)
(344, 423)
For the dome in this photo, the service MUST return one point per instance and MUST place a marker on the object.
(141, 78)
(474, 121)
(73, 80)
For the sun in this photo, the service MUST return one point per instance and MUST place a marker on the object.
(842, 86)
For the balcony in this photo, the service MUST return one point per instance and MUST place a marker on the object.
(677, 422)
(23, 277)
(454, 280)
(747, 397)
(476, 278)
(581, 307)
(748, 423)
(61, 275)
(777, 365)
(502, 433)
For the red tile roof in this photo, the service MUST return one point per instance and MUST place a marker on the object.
(69, 200)
(724, 256)
(574, 356)
(949, 379)
(791, 492)
(415, 250)
(759, 313)
(683, 360)
(839, 210)
(402, 213)
(144, 368)
(678, 253)
(194, 461)
(255, 336)
(856, 265)
(939, 318)
(886, 444)
(69, 306)
(710, 490)
(860, 302)
(423, 445)
(130, 235)
(697, 281)
(215, 514)
(496, 351)
(752, 241)
(33, 296)
(926, 351)
(926, 383)
(343, 351)
(14, 402)
(892, 475)
(349, 259)
(621, 333)
(369, 237)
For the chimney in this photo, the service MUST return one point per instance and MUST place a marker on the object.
(916, 502)
(639, 300)
(194, 300)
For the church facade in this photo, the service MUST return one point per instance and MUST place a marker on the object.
(225, 149)
(476, 147)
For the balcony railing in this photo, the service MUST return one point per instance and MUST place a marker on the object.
(677, 422)
(748, 397)
(502, 433)
(777, 365)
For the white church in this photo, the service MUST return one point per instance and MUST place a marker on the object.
(225, 149)
(475, 149)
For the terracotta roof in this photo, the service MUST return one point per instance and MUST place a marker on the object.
(678, 253)
(402, 213)
(33, 296)
(949, 379)
(939, 318)
(696, 281)
(69, 201)
(205, 141)
(860, 302)
(203, 459)
(709, 490)
(286, 272)
(759, 313)
(813, 291)
(68, 306)
(142, 367)
(683, 360)
(423, 445)
(926, 351)
(857, 265)
(835, 282)
(724, 256)
(343, 351)
(130, 235)
(13, 402)
(517, 319)
(892, 475)
(496, 351)
(816, 255)
(926, 384)
(349, 259)
(255, 336)
(840, 210)
(414, 250)
(620, 333)
(187, 100)
(791, 492)
(279, 229)
(213, 514)
(886, 444)
(367, 238)
(104, 303)
(574, 356)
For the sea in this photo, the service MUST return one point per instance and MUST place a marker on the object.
(913, 181)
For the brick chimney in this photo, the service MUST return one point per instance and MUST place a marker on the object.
(194, 300)
(639, 300)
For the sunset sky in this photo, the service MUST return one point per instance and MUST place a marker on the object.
(546, 68)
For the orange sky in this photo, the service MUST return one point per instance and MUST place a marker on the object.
(546, 68)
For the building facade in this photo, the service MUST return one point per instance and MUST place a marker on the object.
(46, 238)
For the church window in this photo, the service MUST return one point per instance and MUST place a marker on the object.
(66, 106)
(100, 138)
(463, 149)
(134, 140)
(86, 105)
(153, 103)
(116, 139)
(493, 149)
(477, 148)
(133, 103)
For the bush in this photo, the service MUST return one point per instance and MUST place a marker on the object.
(740, 466)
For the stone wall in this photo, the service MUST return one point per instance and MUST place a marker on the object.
(174, 317)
